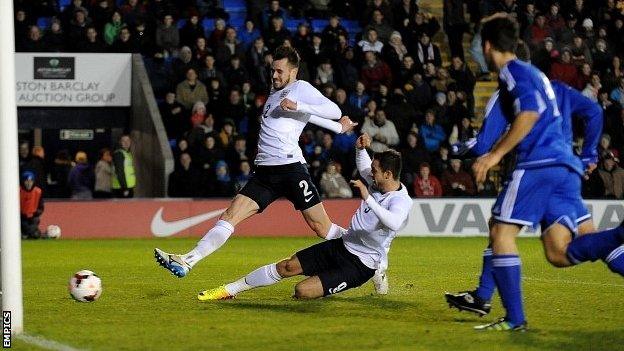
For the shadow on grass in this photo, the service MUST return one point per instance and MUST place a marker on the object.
(572, 339)
(286, 305)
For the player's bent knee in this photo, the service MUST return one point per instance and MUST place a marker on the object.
(288, 268)
(558, 259)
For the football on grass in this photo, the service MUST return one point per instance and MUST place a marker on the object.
(85, 286)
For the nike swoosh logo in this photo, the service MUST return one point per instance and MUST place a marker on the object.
(308, 199)
(161, 228)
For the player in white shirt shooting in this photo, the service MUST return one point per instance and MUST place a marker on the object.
(280, 166)
(349, 261)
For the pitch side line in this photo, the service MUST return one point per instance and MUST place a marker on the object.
(574, 282)
(45, 343)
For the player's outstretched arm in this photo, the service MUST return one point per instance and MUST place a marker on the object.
(344, 125)
(363, 162)
(393, 217)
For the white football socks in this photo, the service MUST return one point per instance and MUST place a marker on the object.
(214, 239)
(263, 276)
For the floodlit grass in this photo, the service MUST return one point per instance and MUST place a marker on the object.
(143, 307)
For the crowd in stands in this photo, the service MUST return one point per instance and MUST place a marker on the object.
(210, 67)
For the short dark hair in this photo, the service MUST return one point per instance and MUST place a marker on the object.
(523, 52)
(502, 32)
(287, 52)
(390, 160)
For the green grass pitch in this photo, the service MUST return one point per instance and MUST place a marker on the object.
(143, 307)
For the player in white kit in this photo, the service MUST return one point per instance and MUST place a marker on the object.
(347, 262)
(280, 169)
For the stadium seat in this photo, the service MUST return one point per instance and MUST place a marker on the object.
(181, 23)
(237, 22)
(292, 24)
(319, 24)
(208, 24)
(64, 3)
(351, 26)
(44, 23)
(234, 6)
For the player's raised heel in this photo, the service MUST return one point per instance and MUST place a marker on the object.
(218, 293)
(468, 301)
(173, 263)
(502, 325)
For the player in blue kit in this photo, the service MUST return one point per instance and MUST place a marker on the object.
(572, 106)
(544, 187)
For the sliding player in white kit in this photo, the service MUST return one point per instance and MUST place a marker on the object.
(280, 166)
(349, 261)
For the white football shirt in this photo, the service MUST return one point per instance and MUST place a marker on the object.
(280, 130)
(377, 220)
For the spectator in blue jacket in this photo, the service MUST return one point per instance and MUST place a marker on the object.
(432, 133)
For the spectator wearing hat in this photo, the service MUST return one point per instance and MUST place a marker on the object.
(81, 178)
(612, 176)
(394, 52)
(222, 184)
(456, 181)
(426, 184)
(31, 206)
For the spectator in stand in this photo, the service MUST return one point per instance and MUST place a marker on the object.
(217, 34)
(124, 178)
(394, 52)
(171, 113)
(81, 178)
(209, 71)
(426, 184)
(617, 94)
(371, 42)
(168, 36)
(235, 74)
(101, 13)
(584, 77)
(544, 56)
(55, 37)
(125, 43)
(201, 49)
(228, 133)
(191, 90)
(22, 26)
(423, 22)
(382, 131)
(249, 34)
(37, 165)
(427, 52)
(133, 11)
(31, 206)
(244, 174)
(191, 30)
(564, 70)
(333, 30)
(198, 114)
(380, 25)
(605, 148)
(565, 35)
(442, 81)
(34, 42)
(103, 174)
(222, 185)
(92, 44)
(454, 26)
(208, 156)
(185, 181)
(612, 176)
(277, 34)
(537, 32)
(359, 98)
(229, 47)
(413, 155)
(593, 87)
(580, 52)
(272, 11)
(603, 59)
(346, 66)
(112, 28)
(432, 133)
(333, 184)
(456, 181)
(324, 73)
(182, 63)
(488, 188)
(462, 132)
(375, 72)
(465, 80)
(237, 153)
(78, 26)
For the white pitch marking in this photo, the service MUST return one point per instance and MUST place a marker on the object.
(45, 343)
